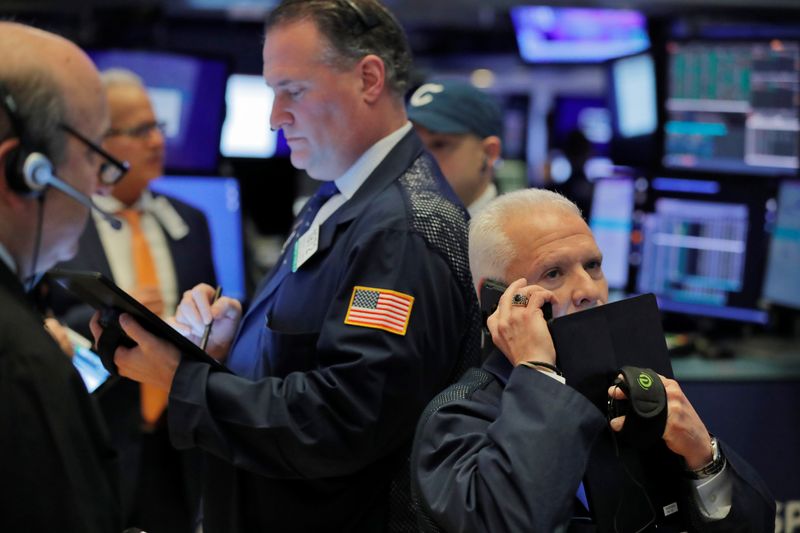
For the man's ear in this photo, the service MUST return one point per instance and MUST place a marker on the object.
(492, 148)
(373, 77)
(7, 195)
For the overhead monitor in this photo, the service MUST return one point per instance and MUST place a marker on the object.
(701, 248)
(611, 222)
(218, 198)
(634, 96)
(547, 34)
(782, 282)
(187, 93)
(733, 106)
(246, 131)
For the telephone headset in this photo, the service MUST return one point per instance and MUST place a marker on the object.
(29, 171)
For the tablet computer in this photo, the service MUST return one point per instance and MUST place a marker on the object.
(103, 294)
(628, 489)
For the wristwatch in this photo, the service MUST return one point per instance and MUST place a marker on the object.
(714, 467)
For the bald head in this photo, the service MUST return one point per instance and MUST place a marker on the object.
(58, 76)
(55, 86)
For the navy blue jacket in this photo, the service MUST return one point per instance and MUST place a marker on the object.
(506, 448)
(318, 422)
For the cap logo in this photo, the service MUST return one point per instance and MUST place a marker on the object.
(424, 95)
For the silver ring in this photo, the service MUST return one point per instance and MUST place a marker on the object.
(519, 300)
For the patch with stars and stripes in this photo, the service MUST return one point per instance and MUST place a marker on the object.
(379, 309)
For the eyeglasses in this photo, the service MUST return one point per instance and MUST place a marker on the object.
(142, 131)
(112, 169)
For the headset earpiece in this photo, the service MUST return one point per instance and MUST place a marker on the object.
(484, 164)
(20, 168)
(20, 172)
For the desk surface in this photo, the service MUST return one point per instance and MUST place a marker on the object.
(757, 359)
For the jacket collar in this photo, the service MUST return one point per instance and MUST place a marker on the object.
(387, 172)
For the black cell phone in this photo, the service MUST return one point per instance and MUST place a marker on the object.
(492, 290)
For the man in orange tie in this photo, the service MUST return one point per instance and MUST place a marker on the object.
(162, 250)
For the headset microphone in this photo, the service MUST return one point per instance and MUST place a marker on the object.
(38, 174)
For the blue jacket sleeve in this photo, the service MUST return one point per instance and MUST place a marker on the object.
(506, 459)
(362, 399)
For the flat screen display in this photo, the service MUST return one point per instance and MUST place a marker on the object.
(548, 34)
(218, 198)
(733, 107)
(188, 95)
(246, 131)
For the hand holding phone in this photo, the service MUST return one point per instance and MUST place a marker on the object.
(519, 333)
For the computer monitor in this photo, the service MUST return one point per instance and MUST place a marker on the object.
(218, 198)
(782, 282)
(701, 246)
(187, 94)
(586, 114)
(246, 131)
(733, 106)
(634, 103)
(547, 34)
(611, 222)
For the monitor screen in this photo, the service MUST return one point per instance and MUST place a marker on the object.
(585, 114)
(633, 81)
(246, 131)
(187, 93)
(611, 224)
(701, 247)
(218, 198)
(782, 283)
(548, 34)
(733, 107)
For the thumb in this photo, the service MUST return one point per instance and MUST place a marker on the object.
(226, 308)
(133, 329)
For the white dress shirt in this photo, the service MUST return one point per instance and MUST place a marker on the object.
(155, 213)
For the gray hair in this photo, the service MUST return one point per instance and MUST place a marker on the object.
(354, 29)
(41, 109)
(490, 249)
(115, 77)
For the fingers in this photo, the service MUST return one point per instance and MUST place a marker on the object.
(226, 308)
(617, 423)
(194, 310)
(183, 329)
(134, 330)
(95, 327)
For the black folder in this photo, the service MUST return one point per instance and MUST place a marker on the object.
(591, 346)
(101, 293)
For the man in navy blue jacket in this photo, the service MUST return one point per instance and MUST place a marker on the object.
(506, 448)
(368, 314)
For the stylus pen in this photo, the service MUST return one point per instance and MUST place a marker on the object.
(207, 331)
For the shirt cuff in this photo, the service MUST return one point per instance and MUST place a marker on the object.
(713, 495)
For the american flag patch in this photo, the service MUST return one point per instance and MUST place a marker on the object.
(379, 309)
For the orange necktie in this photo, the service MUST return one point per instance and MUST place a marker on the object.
(153, 399)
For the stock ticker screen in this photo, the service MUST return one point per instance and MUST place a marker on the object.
(733, 107)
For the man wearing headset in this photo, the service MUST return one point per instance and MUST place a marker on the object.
(57, 469)
(507, 447)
